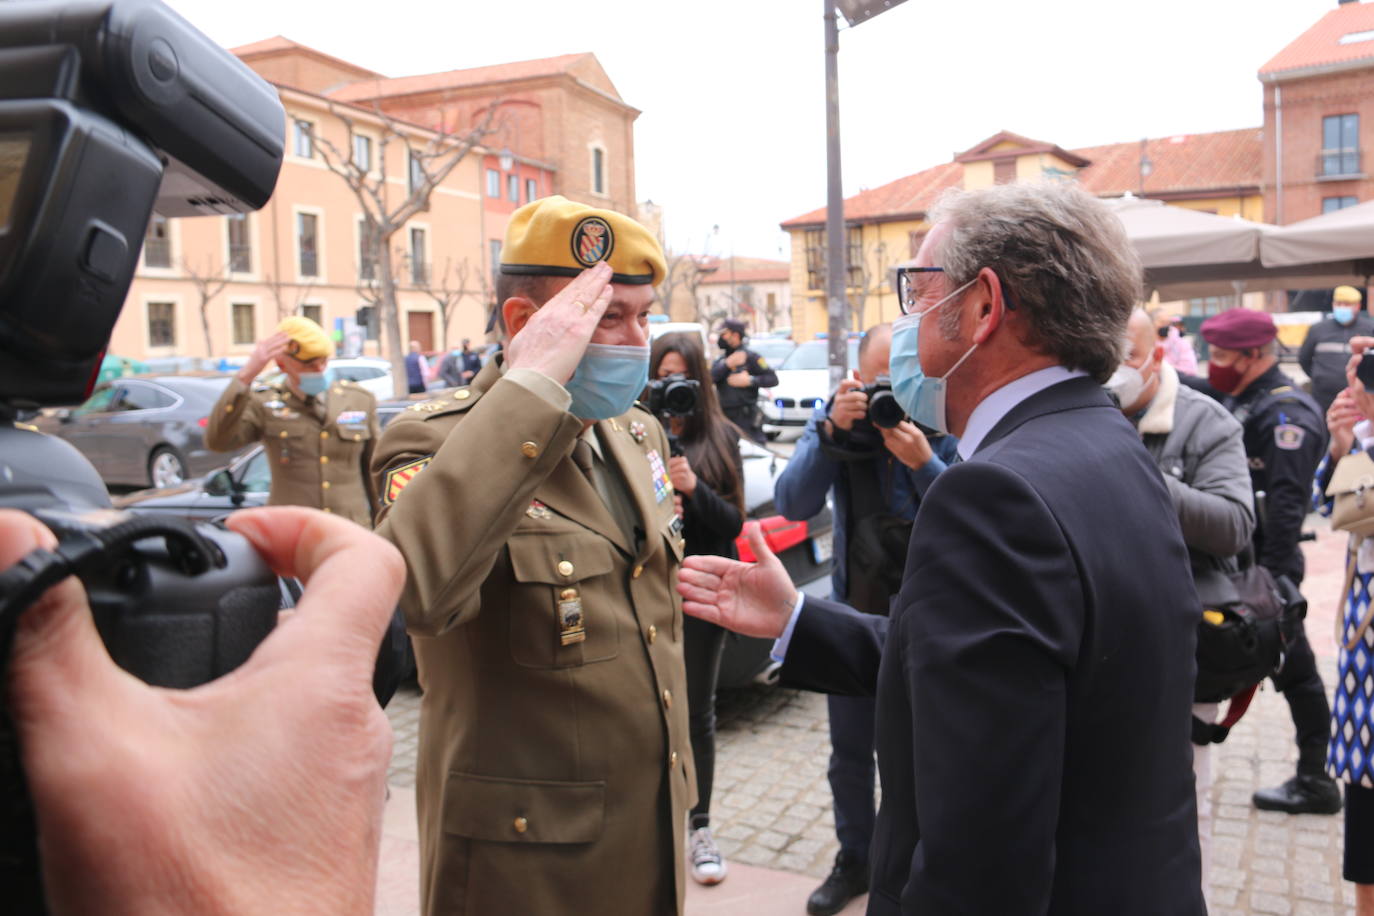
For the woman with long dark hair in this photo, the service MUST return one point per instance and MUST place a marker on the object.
(710, 481)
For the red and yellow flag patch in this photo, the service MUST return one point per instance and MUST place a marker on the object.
(398, 477)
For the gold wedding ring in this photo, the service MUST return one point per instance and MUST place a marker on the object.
(584, 307)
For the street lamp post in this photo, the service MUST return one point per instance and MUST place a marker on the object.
(837, 305)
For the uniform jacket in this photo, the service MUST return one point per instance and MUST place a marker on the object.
(732, 398)
(813, 471)
(552, 778)
(1034, 680)
(318, 448)
(1284, 436)
(1197, 446)
(1326, 350)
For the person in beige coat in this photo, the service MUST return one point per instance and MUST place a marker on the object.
(537, 521)
(319, 437)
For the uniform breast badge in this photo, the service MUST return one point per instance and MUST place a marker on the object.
(538, 510)
(570, 627)
(352, 417)
(663, 485)
(638, 431)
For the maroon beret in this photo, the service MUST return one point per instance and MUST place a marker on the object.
(1239, 329)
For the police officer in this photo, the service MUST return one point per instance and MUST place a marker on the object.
(738, 376)
(1284, 439)
(319, 437)
(555, 768)
(1326, 349)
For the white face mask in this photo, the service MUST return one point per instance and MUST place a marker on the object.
(1126, 383)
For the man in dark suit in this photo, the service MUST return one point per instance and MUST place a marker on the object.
(1034, 680)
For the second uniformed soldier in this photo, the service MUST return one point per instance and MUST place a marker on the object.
(739, 375)
(1284, 440)
(318, 437)
(554, 769)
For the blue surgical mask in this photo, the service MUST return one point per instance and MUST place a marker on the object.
(1343, 313)
(922, 398)
(608, 380)
(313, 383)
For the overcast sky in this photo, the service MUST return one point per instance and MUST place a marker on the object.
(732, 91)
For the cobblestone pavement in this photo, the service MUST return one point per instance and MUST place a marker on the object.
(772, 801)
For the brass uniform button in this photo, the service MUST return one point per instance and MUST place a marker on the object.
(324, 434)
(324, 485)
(667, 699)
(360, 435)
(521, 825)
(565, 568)
(638, 571)
(228, 408)
(282, 434)
(653, 633)
(324, 459)
(530, 450)
(327, 509)
(672, 760)
(462, 395)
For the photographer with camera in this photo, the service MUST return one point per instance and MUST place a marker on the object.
(877, 464)
(707, 472)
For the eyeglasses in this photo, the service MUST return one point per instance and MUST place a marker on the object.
(917, 284)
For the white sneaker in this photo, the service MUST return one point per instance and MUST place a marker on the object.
(708, 865)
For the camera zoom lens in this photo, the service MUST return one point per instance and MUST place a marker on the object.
(884, 410)
(679, 398)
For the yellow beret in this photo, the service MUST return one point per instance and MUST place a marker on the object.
(556, 237)
(308, 339)
(1346, 294)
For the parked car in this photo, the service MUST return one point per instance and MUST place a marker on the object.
(804, 547)
(370, 372)
(143, 431)
(803, 382)
(658, 328)
(773, 349)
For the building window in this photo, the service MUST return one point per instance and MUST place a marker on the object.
(494, 246)
(245, 328)
(854, 256)
(815, 258)
(1341, 145)
(157, 243)
(531, 189)
(303, 139)
(240, 244)
(307, 240)
(598, 170)
(162, 324)
(367, 249)
(362, 152)
(1004, 171)
(513, 188)
(1209, 305)
(1332, 204)
(772, 301)
(314, 312)
(419, 257)
(416, 172)
(493, 183)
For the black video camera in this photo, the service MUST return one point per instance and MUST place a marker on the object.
(669, 397)
(109, 110)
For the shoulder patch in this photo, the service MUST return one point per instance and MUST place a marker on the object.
(397, 478)
(1288, 436)
(763, 363)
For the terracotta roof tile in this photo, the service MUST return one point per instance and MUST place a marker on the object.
(1225, 159)
(453, 79)
(1321, 44)
(747, 270)
(282, 43)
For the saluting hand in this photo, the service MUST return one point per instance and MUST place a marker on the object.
(556, 335)
(755, 599)
(267, 350)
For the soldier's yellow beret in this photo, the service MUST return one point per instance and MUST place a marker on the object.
(1346, 294)
(557, 237)
(308, 339)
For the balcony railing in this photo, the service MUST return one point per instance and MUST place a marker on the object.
(157, 252)
(1339, 163)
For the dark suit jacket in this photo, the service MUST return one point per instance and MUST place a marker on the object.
(1034, 681)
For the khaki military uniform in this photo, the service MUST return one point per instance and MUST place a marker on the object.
(318, 448)
(554, 767)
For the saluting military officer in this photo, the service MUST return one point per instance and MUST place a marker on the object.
(554, 767)
(319, 437)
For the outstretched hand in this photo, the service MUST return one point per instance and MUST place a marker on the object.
(754, 599)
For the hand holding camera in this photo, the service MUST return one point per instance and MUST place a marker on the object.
(849, 404)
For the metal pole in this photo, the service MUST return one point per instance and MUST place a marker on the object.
(836, 305)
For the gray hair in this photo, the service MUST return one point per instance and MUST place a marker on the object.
(1063, 260)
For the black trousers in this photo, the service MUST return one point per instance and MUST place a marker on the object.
(852, 771)
(1359, 834)
(702, 646)
(1302, 687)
(746, 417)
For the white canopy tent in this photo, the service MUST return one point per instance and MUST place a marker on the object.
(1342, 239)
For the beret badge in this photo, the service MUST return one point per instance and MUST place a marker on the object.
(592, 241)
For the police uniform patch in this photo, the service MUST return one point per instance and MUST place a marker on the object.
(592, 241)
(763, 363)
(1288, 437)
(663, 485)
(397, 478)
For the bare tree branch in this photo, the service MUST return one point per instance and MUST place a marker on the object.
(209, 283)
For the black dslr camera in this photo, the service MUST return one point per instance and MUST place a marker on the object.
(673, 396)
(883, 409)
(110, 109)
